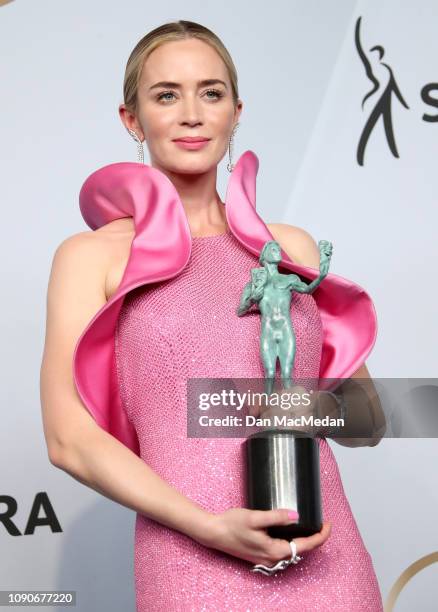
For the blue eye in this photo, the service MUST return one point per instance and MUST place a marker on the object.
(218, 93)
(165, 93)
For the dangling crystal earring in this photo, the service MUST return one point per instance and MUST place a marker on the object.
(140, 151)
(230, 165)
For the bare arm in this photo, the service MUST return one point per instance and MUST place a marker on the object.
(245, 300)
(75, 442)
(298, 285)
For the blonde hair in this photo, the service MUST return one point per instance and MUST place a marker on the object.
(174, 30)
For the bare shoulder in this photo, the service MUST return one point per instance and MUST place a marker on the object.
(87, 246)
(100, 254)
(117, 236)
(78, 268)
(298, 243)
(92, 252)
(119, 227)
(79, 246)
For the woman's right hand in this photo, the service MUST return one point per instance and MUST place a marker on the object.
(242, 533)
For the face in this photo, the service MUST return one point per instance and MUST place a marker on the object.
(273, 253)
(186, 108)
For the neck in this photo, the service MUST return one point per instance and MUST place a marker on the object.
(200, 199)
(271, 268)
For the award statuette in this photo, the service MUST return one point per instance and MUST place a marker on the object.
(282, 464)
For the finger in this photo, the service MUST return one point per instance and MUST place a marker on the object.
(280, 549)
(310, 542)
(268, 550)
(266, 518)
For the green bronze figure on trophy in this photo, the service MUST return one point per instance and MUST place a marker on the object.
(272, 292)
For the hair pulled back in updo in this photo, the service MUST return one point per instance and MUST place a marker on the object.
(169, 32)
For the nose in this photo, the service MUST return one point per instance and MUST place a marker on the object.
(191, 112)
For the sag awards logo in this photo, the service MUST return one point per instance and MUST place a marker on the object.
(40, 505)
(383, 93)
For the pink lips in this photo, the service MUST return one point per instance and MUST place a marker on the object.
(191, 142)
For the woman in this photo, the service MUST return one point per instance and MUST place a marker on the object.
(136, 307)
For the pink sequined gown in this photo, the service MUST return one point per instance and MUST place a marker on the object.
(187, 327)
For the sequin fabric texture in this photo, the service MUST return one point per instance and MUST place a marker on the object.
(187, 327)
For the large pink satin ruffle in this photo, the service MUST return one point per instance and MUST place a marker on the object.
(161, 249)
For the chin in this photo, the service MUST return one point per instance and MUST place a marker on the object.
(189, 165)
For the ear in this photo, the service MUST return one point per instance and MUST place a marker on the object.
(130, 121)
(238, 110)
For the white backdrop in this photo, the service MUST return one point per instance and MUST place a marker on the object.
(61, 82)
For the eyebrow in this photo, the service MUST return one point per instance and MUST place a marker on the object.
(176, 85)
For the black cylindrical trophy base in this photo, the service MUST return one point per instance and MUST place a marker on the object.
(283, 472)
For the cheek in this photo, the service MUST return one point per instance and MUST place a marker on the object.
(220, 118)
(155, 122)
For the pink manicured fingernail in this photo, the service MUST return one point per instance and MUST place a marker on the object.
(292, 514)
